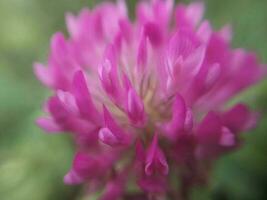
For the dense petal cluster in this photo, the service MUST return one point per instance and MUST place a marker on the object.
(145, 100)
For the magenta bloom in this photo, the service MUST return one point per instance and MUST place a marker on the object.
(145, 100)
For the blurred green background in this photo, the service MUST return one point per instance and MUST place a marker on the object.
(32, 163)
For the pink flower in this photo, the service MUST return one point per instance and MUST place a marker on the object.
(145, 100)
(154, 167)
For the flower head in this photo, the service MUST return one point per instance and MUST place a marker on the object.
(145, 98)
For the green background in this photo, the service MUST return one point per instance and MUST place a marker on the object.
(32, 163)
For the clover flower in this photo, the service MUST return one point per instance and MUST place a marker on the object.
(145, 100)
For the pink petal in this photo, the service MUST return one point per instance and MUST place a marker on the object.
(140, 151)
(84, 99)
(142, 54)
(155, 159)
(239, 118)
(72, 25)
(115, 187)
(113, 191)
(154, 34)
(195, 12)
(227, 138)
(49, 125)
(109, 77)
(226, 33)
(68, 101)
(209, 130)
(87, 166)
(113, 132)
(126, 30)
(122, 7)
(153, 184)
(72, 178)
(182, 43)
(204, 31)
(212, 75)
(195, 60)
(188, 124)
(162, 11)
(43, 74)
(58, 111)
(189, 16)
(177, 122)
(107, 137)
(59, 46)
(126, 82)
(135, 108)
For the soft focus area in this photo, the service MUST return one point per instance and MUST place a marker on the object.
(32, 163)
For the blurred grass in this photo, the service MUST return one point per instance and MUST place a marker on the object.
(32, 164)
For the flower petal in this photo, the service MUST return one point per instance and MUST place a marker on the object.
(177, 122)
(84, 99)
(135, 108)
(155, 159)
(49, 125)
(107, 137)
(43, 74)
(112, 133)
